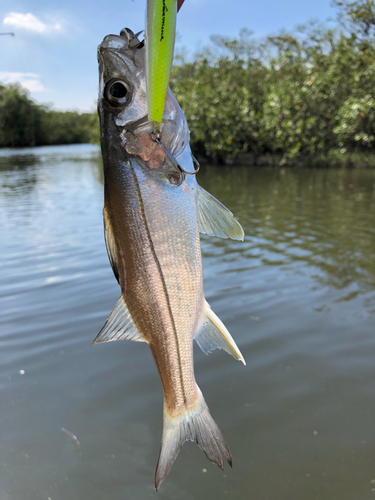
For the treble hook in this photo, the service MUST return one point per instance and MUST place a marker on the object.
(197, 166)
(156, 136)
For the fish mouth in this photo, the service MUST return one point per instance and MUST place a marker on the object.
(126, 44)
(126, 40)
(133, 40)
(121, 57)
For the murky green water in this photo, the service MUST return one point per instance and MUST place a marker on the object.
(298, 296)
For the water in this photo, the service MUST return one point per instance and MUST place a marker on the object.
(298, 296)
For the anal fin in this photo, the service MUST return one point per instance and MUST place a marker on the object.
(214, 335)
(119, 326)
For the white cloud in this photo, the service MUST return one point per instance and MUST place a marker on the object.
(29, 22)
(29, 81)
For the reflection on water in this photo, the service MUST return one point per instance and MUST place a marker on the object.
(298, 296)
(321, 218)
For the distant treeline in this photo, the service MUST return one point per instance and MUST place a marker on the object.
(25, 123)
(301, 94)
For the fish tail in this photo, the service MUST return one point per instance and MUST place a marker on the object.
(192, 425)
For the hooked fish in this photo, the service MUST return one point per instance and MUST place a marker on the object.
(153, 213)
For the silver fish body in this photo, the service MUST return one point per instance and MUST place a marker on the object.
(152, 225)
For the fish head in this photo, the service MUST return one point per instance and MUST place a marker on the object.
(122, 104)
(122, 88)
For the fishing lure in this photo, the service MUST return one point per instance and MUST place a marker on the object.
(160, 37)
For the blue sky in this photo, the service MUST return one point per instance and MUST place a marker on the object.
(54, 51)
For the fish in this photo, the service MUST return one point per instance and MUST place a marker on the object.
(153, 213)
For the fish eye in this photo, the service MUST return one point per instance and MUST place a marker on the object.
(118, 90)
(117, 93)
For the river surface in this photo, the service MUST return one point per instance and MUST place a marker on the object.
(298, 295)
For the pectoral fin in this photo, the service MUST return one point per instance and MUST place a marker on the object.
(215, 219)
(214, 335)
(119, 326)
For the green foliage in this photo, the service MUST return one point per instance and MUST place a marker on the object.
(302, 93)
(222, 96)
(16, 117)
(357, 17)
(24, 123)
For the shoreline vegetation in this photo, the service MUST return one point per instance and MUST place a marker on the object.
(305, 97)
(23, 123)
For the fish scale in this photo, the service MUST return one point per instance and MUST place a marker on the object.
(152, 231)
(181, 276)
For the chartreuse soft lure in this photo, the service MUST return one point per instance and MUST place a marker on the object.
(160, 36)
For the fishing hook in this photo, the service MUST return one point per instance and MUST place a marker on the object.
(156, 137)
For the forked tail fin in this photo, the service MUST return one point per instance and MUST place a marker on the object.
(196, 425)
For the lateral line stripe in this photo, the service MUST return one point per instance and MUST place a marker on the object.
(161, 277)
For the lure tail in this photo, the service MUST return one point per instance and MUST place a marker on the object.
(193, 425)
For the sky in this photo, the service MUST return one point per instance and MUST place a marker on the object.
(53, 52)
